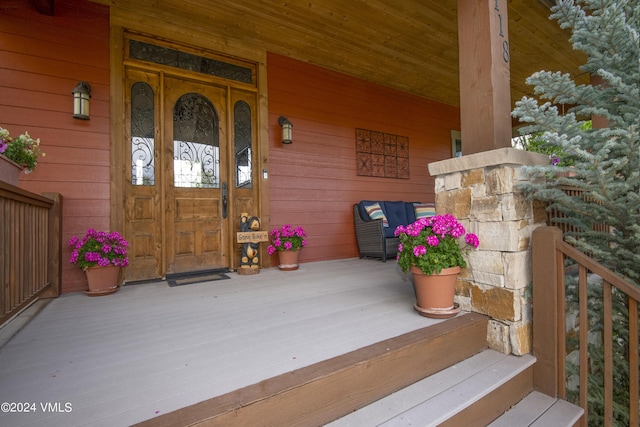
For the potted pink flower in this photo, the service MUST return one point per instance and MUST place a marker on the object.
(100, 255)
(432, 244)
(287, 241)
(431, 249)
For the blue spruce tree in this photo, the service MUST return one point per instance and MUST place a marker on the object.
(606, 161)
(605, 169)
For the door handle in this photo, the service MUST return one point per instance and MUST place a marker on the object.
(225, 199)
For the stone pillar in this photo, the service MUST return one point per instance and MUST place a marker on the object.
(481, 190)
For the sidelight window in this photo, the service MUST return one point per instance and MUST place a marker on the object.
(242, 144)
(142, 134)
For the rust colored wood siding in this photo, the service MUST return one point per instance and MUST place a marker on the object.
(42, 58)
(313, 181)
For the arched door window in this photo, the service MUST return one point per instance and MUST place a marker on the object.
(196, 143)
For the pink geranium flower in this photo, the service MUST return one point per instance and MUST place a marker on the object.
(99, 248)
(433, 243)
(287, 237)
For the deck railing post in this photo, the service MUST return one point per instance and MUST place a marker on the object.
(54, 261)
(545, 309)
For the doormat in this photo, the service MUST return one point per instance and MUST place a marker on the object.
(191, 278)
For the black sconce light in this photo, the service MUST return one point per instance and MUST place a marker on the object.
(81, 96)
(286, 129)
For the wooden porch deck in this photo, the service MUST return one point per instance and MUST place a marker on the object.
(150, 349)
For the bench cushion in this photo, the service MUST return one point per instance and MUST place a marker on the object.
(411, 212)
(393, 213)
(396, 215)
(374, 240)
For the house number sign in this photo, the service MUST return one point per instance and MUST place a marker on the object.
(505, 43)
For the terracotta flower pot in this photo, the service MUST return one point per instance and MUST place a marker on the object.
(102, 280)
(435, 292)
(288, 260)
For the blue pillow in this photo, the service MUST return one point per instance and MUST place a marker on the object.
(411, 213)
(396, 215)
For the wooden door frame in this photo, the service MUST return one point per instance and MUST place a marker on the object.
(118, 132)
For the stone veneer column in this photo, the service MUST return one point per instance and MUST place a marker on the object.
(481, 190)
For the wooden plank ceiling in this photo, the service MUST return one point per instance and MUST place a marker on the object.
(409, 45)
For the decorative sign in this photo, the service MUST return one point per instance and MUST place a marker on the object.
(382, 154)
(506, 56)
(252, 236)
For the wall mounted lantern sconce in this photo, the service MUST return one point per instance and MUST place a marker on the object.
(81, 96)
(286, 129)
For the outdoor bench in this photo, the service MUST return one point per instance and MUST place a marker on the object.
(376, 221)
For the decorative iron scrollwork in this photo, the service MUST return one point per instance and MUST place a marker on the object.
(142, 134)
(196, 142)
(242, 144)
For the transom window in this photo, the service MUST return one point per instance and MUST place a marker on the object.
(188, 61)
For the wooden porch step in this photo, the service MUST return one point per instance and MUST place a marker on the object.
(540, 410)
(473, 392)
(328, 390)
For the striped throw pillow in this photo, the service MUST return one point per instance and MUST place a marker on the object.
(424, 210)
(375, 212)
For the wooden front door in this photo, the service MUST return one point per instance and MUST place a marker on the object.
(177, 189)
(196, 185)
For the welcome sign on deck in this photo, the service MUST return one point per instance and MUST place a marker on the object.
(252, 236)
